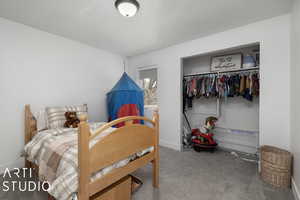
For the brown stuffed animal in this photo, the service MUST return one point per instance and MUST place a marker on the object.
(72, 120)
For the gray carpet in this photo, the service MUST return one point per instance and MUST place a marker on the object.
(193, 176)
(206, 176)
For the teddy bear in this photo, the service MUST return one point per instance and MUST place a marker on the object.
(72, 120)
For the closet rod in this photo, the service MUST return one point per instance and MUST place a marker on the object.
(223, 72)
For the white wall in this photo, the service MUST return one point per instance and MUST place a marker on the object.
(274, 36)
(42, 69)
(295, 96)
(238, 123)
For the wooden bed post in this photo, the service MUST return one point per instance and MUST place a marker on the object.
(30, 129)
(83, 158)
(27, 131)
(155, 162)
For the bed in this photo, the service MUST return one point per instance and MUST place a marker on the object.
(119, 144)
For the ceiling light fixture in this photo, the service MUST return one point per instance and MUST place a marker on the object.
(127, 8)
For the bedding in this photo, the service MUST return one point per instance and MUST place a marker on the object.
(55, 151)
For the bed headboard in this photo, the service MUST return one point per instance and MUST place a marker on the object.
(30, 129)
(30, 124)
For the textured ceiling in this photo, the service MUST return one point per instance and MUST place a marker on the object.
(158, 24)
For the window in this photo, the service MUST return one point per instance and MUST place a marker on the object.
(148, 82)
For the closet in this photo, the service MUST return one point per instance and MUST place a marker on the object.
(230, 94)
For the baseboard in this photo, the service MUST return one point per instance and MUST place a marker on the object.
(295, 190)
(169, 145)
(19, 163)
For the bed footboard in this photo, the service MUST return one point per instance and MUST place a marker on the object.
(120, 144)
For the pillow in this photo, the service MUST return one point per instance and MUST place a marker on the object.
(56, 115)
(41, 119)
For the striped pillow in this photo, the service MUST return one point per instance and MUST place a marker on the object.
(41, 120)
(56, 115)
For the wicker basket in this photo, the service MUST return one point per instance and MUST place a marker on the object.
(278, 157)
(276, 166)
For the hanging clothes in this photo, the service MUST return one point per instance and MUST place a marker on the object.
(227, 85)
(199, 84)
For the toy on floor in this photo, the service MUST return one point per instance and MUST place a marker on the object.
(202, 139)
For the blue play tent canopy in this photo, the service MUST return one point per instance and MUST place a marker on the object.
(125, 98)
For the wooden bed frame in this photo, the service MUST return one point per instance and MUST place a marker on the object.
(120, 144)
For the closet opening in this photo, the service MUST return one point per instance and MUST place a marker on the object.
(223, 84)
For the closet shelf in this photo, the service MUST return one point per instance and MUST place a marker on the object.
(223, 72)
